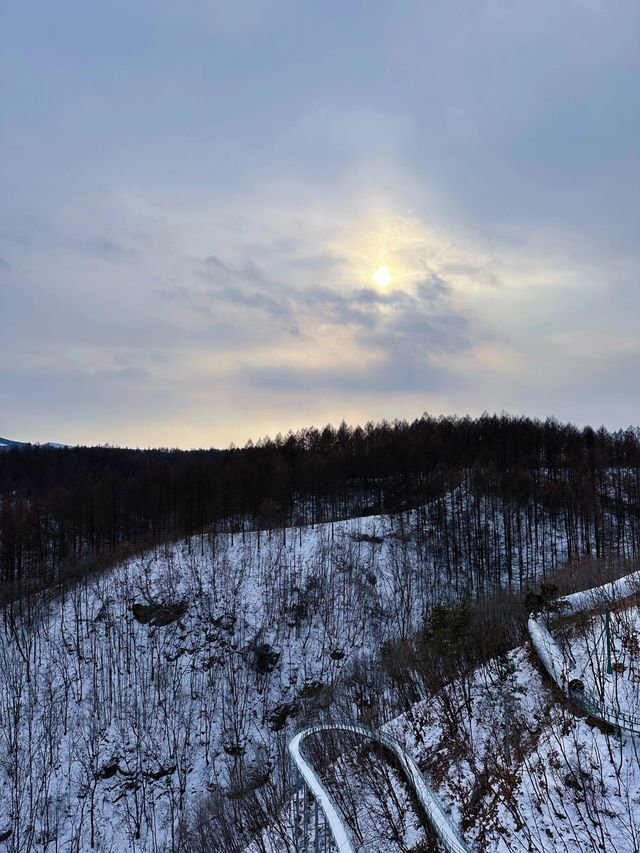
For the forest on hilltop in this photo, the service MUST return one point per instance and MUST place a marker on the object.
(64, 512)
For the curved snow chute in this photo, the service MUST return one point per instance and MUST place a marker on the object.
(548, 650)
(552, 657)
(553, 660)
(427, 798)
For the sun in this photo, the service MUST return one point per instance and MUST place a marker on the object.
(382, 276)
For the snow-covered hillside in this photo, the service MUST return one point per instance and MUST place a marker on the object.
(134, 703)
(526, 770)
(128, 699)
(516, 765)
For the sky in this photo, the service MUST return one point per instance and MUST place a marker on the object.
(197, 198)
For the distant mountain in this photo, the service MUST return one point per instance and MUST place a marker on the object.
(7, 443)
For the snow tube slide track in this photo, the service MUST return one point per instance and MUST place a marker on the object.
(553, 659)
(432, 806)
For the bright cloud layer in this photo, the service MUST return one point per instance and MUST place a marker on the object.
(194, 217)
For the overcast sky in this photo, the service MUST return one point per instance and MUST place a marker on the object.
(196, 196)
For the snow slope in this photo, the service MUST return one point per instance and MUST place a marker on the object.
(128, 700)
(514, 763)
(113, 726)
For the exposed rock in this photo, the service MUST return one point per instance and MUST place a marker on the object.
(366, 537)
(280, 714)
(108, 770)
(158, 615)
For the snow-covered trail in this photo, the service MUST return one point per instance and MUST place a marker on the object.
(432, 806)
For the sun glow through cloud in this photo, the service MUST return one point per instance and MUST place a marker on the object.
(382, 250)
(382, 276)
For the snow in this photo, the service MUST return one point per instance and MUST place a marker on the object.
(607, 593)
(127, 725)
(340, 835)
(548, 650)
(422, 790)
(569, 785)
(605, 703)
(559, 782)
(113, 730)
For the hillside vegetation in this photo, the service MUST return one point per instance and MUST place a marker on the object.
(64, 512)
(146, 703)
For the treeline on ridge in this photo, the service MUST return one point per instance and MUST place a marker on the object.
(66, 511)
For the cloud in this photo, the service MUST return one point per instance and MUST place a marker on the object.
(211, 210)
(393, 334)
(113, 251)
(391, 376)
